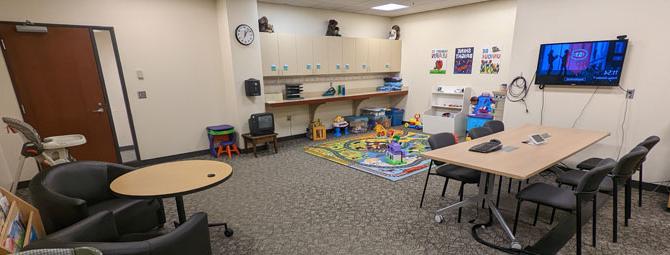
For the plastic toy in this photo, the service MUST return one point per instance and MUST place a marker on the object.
(340, 124)
(395, 155)
(357, 124)
(380, 130)
(484, 105)
(316, 131)
(330, 92)
(415, 122)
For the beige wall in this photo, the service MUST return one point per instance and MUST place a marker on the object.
(540, 22)
(175, 43)
(310, 21)
(478, 25)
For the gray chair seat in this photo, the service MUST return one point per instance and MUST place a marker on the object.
(127, 211)
(572, 178)
(459, 173)
(589, 163)
(560, 198)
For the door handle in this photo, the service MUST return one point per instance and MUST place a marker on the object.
(100, 109)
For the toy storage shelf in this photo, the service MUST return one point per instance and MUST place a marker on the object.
(29, 217)
(314, 102)
(448, 111)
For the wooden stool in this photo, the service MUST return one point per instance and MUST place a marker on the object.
(261, 139)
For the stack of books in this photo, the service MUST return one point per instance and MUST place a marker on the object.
(19, 221)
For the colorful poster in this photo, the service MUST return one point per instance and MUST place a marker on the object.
(463, 60)
(490, 60)
(439, 58)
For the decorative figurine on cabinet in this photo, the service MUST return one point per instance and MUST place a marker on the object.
(265, 26)
(333, 30)
(394, 34)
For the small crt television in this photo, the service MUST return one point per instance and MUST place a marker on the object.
(262, 124)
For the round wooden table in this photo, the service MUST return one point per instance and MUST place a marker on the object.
(173, 179)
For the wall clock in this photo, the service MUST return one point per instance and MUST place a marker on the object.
(244, 34)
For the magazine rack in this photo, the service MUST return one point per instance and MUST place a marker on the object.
(29, 217)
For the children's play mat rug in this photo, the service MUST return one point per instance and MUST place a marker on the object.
(367, 153)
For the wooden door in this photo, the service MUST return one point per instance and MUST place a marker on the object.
(348, 55)
(269, 54)
(320, 49)
(57, 81)
(334, 54)
(362, 55)
(304, 54)
(288, 63)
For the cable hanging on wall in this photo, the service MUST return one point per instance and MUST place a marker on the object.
(518, 90)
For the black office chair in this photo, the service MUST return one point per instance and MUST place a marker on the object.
(620, 175)
(70, 192)
(648, 143)
(100, 232)
(461, 174)
(479, 132)
(495, 125)
(549, 195)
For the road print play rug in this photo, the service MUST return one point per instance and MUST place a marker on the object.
(367, 153)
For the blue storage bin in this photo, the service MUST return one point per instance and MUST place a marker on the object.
(396, 115)
(477, 121)
(357, 124)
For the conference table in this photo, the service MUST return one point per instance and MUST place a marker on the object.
(518, 159)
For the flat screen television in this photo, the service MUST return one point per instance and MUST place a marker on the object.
(595, 63)
(262, 124)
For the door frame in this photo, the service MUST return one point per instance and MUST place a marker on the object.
(122, 79)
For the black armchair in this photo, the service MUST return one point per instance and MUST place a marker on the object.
(100, 231)
(71, 192)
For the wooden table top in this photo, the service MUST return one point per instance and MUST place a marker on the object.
(517, 159)
(171, 179)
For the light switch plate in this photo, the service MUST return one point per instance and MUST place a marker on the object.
(140, 74)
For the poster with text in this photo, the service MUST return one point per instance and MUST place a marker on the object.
(439, 58)
(490, 60)
(463, 60)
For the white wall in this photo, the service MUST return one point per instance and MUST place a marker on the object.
(103, 41)
(576, 20)
(11, 143)
(176, 44)
(310, 21)
(477, 25)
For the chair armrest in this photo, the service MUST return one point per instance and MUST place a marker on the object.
(64, 210)
(100, 227)
(192, 237)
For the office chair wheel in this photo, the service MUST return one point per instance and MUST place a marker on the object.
(516, 245)
(439, 218)
(228, 232)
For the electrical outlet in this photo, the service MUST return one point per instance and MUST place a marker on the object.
(630, 93)
(288, 117)
(142, 94)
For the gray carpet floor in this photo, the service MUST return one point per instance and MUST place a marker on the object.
(295, 203)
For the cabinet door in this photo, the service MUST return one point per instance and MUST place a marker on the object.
(269, 54)
(362, 47)
(335, 64)
(304, 54)
(320, 50)
(348, 55)
(396, 52)
(374, 55)
(288, 63)
(386, 55)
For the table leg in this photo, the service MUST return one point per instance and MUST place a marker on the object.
(275, 144)
(180, 209)
(253, 143)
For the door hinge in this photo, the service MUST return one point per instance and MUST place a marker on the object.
(23, 109)
(2, 42)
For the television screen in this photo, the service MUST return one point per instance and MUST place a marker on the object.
(597, 63)
(265, 122)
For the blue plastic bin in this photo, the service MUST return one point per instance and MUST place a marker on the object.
(477, 121)
(396, 115)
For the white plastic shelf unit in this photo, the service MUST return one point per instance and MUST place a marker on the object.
(448, 111)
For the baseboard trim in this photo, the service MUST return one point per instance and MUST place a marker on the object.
(175, 157)
(127, 148)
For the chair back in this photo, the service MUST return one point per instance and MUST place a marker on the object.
(650, 142)
(592, 179)
(480, 132)
(441, 140)
(29, 133)
(495, 125)
(629, 163)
